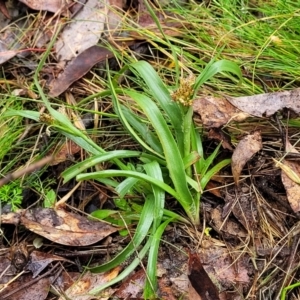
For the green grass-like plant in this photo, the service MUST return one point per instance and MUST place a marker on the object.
(171, 160)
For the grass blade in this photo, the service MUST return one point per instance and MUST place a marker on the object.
(141, 232)
(126, 272)
(171, 151)
(151, 283)
(74, 170)
(162, 96)
(126, 173)
(213, 68)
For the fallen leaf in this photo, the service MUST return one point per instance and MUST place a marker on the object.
(266, 105)
(290, 177)
(37, 291)
(64, 152)
(220, 136)
(245, 149)
(6, 54)
(81, 288)
(213, 188)
(165, 289)
(65, 228)
(77, 68)
(228, 226)
(193, 294)
(40, 260)
(114, 15)
(11, 218)
(65, 280)
(219, 262)
(199, 279)
(215, 112)
(244, 210)
(132, 287)
(48, 5)
(83, 32)
(4, 10)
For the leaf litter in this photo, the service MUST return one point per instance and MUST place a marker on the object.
(239, 213)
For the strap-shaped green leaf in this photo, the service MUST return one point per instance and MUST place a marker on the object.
(172, 155)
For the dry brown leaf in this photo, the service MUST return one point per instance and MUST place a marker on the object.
(228, 226)
(290, 176)
(215, 112)
(199, 279)
(245, 149)
(213, 188)
(245, 209)
(65, 152)
(83, 32)
(65, 228)
(132, 287)
(291, 186)
(193, 293)
(48, 5)
(37, 291)
(78, 67)
(65, 280)
(166, 289)
(218, 262)
(265, 105)
(220, 136)
(40, 260)
(6, 54)
(81, 288)
(11, 218)
(114, 15)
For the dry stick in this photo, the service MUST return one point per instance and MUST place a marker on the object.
(30, 283)
(31, 168)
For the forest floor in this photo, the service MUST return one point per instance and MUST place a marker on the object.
(149, 149)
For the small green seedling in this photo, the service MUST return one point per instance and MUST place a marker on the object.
(11, 194)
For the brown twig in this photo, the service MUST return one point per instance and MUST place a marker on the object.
(35, 166)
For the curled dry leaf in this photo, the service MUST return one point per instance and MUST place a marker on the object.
(265, 105)
(290, 177)
(215, 112)
(245, 149)
(81, 288)
(65, 228)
